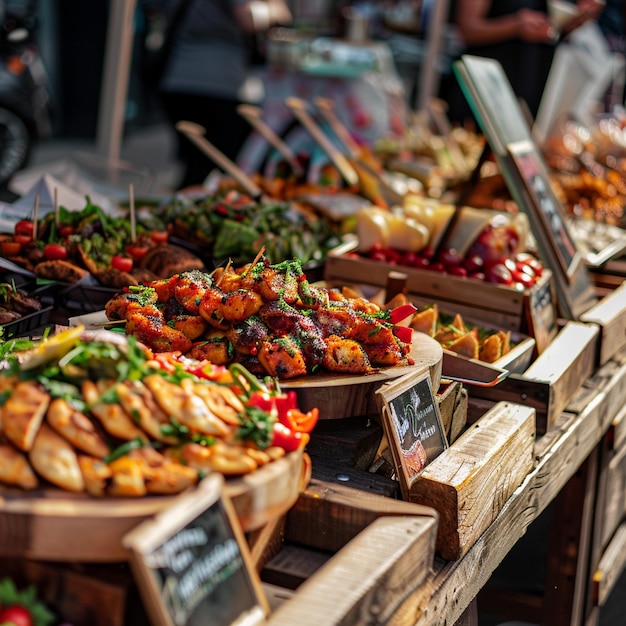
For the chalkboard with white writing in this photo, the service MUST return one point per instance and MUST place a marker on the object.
(192, 564)
(412, 425)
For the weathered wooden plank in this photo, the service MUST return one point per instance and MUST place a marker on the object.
(328, 515)
(610, 315)
(611, 566)
(444, 597)
(470, 481)
(366, 581)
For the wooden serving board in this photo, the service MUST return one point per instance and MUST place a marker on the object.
(345, 395)
(53, 525)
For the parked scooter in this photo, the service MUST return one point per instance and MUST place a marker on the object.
(24, 95)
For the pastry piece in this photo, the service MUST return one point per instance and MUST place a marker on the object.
(14, 468)
(54, 459)
(23, 413)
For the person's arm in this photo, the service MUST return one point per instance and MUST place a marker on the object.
(260, 15)
(475, 27)
(588, 10)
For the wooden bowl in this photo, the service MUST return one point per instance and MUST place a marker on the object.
(50, 524)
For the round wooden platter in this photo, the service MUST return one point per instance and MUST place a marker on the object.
(50, 524)
(344, 395)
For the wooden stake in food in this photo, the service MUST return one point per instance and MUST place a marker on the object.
(57, 219)
(299, 108)
(252, 115)
(195, 134)
(35, 217)
(133, 222)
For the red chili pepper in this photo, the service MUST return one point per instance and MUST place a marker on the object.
(401, 313)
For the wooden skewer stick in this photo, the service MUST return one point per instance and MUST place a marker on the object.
(57, 219)
(299, 109)
(252, 115)
(327, 109)
(195, 133)
(35, 217)
(133, 220)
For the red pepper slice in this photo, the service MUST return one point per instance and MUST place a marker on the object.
(303, 422)
(287, 439)
(401, 313)
(403, 333)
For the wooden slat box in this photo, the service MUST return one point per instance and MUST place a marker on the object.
(383, 551)
(553, 378)
(610, 315)
(469, 482)
(501, 306)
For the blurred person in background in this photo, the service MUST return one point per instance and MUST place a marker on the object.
(520, 35)
(208, 69)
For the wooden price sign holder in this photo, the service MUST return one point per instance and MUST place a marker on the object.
(192, 563)
(412, 425)
(500, 116)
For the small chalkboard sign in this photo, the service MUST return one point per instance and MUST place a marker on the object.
(192, 564)
(412, 425)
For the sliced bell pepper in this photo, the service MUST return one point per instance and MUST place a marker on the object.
(288, 439)
(401, 313)
(403, 333)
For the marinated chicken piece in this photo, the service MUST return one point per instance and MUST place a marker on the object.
(179, 402)
(384, 354)
(190, 288)
(192, 326)
(138, 402)
(275, 285)
(346, 356)
(118, 307)
(15, 469)
(96, 474)
(23, 413)
(54, 459)
(76, 428)
(310, 339)
(282, 358)
(281, 318)
(371, 331)
(110, 414)
(224, 309)
(336, 320)
(164, 288)
(247, 336)
(215, 347)
(151, 329)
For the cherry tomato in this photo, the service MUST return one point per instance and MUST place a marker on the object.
(122, 263)
(136, 252)
(24, 227)
(159, 236)
(65, 230)
(55, 252)
(16, 614)
(23, 240)
(11, 248)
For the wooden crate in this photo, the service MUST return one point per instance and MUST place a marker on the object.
(499, 305)
(553, 378)
(610, 315)
(381, 550)
(469, 482)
